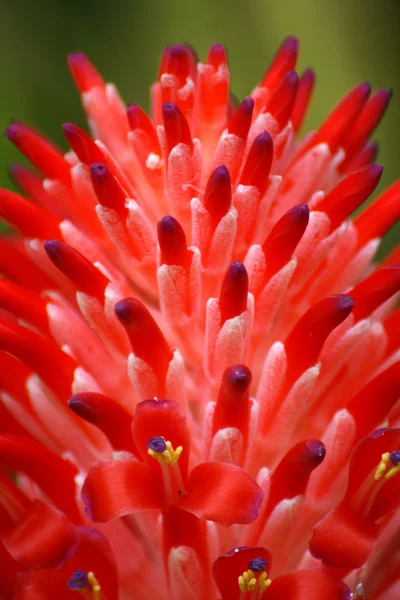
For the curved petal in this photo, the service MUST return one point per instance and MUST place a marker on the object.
(8, 573)
(228, 568)
(93, 553)
(54, 475)
(163, 418)
(308, 584)
(42, 585)
(42, 539)
(223, 493)
(343, 538)
(115, 488)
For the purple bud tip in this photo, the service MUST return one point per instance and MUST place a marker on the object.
(157, 444)
(78, 581)
(123, 310)
(395, 458)
(239, 377)
(221, 174)
(98, 170)
(167, 226)
(291, 43)
(81, 409)
(68, 127)
(169, 109)
(247, 105)
(258, 564)
(292, 78)
(345, 303)
(317, 450)
(52, 248)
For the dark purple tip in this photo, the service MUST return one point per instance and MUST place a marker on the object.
(81, 409)
(345, 303)
(53, 251)
(395, 458)
(172, 241)
(218, 194)
(234, 290)
(157, 444)
(237, 378)
(125, 310)
(258, 564)
(98, 171)
(317, 451)
(78, 581)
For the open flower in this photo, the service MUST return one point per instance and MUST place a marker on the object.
(199, 357)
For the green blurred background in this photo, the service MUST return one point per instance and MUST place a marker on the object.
(345, 41)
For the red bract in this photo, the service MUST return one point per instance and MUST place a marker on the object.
(206, 254)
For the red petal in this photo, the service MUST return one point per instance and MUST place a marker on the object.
(139, 120)
(282, 101)
(350, 193)
(232, 408)
(344, 538)
(43, 356)
(16, 265)
(374, 290)
(172, 242)
(240, 122)
(303, 97)
(258, 163)
(82, 144)
(108, 190)
(78, 269)
(8, 574)
(234, 291)
(227, 569)
(115, 488)
(146, 338)
(310, 332)
(40, 151)
(283, 238)
(181, 528)
(13, 503)
(54, 475)
(163, 418)
(176, 127)
(380, 216)
(29, 219)
(367, 455)
(28, 182)
(291, 476)
(84, 74)
(283, 62)
(106, 414)
(308, 584)
(26, 305)
(218, 194)
(43, 585)
(371, 405)
(42, 539)
(93, 553)
(223, 493)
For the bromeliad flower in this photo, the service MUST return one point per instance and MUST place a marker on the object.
(207, 255)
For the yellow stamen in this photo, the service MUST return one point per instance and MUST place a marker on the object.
(94, 586)
(381, 468)
(392, 472)
(250, 580)
(169, 456)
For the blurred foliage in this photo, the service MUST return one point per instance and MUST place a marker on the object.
(346, 42)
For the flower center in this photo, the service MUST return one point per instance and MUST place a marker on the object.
(86, 584)
(387, 460)
(254, 580)
(163, 452)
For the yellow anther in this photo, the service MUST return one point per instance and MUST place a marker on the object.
(392, 472)
(168, 456)
(381, 468)
(251, 580)
(94, 586)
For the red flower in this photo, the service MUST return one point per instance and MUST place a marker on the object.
(208, 255)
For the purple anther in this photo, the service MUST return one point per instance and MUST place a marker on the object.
(78, 581)
(157, 444)
(258, 564)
